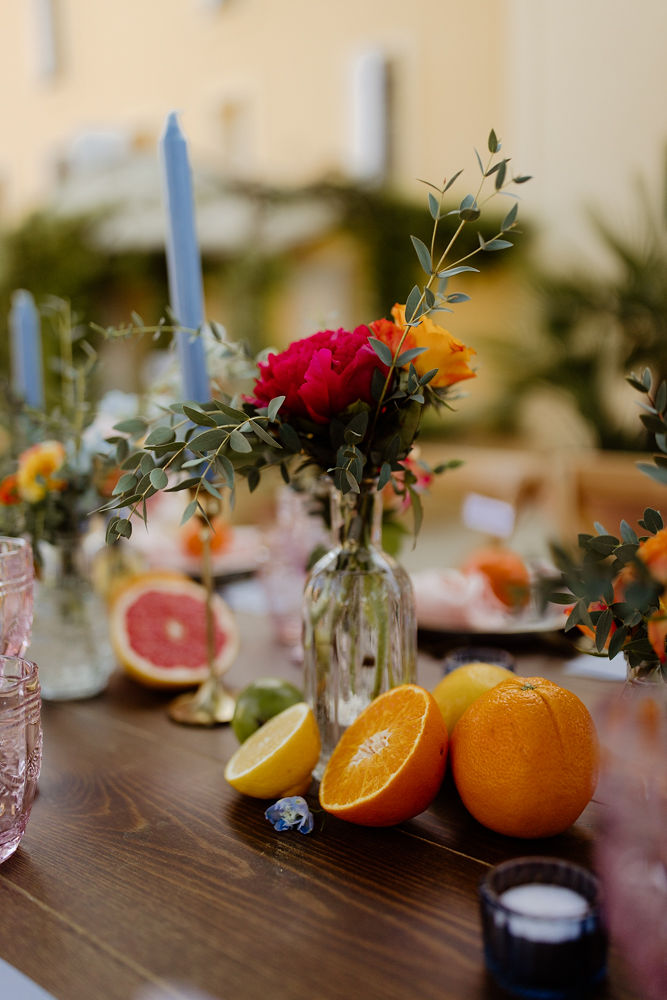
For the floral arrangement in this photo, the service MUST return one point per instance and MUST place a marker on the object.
(55, 476)
(348, 402)
(619, 589)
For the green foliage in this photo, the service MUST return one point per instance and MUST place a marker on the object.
(213, 443)
(611, 589)
(596, 329)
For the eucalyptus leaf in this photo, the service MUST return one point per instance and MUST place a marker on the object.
(136, 427)
(225, 469)
(493, 143)
(449, 272)
(652, 521)
(264, 435)
(509, 219)
(409, 355)
(497, 245)
(423, 253)
(127, 481)
(274, 406)
(657, 473)
(160, 435)
(382, 350)
(189, 511)
(451, 180)
(239, 442)
(209, 440)
(198, 416)
(412, 303)
(384, 476)
(159, 479)
(289, 437)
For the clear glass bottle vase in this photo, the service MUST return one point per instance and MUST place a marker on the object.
(359, 622)
(70, 636)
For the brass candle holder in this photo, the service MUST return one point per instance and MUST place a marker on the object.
(212, 704)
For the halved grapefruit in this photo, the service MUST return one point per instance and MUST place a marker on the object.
(157, 623)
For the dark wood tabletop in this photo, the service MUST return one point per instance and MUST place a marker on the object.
(143, 874)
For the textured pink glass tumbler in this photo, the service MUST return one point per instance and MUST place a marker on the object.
(20, 748)
(16, 595)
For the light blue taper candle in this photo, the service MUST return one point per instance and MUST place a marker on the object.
(26, 349)
(186, 290)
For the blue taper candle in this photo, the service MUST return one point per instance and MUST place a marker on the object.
(26, 349)
(186, 290)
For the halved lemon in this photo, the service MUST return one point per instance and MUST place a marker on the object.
(279, 757)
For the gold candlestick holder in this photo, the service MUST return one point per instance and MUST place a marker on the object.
(212, 704)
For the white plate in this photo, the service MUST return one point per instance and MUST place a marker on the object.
(450, 601)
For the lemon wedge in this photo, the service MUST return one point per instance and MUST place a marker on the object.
(278, 758)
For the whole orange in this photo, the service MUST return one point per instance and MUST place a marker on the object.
(191, 536)
(525, 758)
(506, 572)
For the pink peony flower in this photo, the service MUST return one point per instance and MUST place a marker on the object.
(320, 376)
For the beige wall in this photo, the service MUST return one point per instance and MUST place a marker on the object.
(126, 63)
(575, 88)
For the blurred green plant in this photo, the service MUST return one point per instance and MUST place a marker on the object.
(596, 329)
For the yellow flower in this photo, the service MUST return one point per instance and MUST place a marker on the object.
(37, 465)
(444, 352)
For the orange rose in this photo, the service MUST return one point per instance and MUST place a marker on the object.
(653, 553)
(9, 493)
(450, 356)
(657, 630)
(37, 465)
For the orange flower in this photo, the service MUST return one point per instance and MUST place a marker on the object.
(657, 630)
(37, 465)
(653, 553)
(450, 356)
(9, 493)
(390, 334)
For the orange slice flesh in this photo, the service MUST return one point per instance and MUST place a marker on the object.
(389, 764)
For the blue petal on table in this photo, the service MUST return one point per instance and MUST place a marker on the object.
(19, 987)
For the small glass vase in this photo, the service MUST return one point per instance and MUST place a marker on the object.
(645, 672)
(359, 621)
(70, 638)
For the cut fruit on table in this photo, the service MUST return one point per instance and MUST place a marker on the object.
(259, 702)
(278, 759)
(388, 765)
(157, 623)
(525, 758)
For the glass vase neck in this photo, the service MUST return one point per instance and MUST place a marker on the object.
(356, 518)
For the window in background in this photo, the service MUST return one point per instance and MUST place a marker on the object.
(369, 156)
(44, 39)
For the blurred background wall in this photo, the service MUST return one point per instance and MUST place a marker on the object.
(309, 125)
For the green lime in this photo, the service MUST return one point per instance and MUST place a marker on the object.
(259, 702)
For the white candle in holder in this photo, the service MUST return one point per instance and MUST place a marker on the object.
(544, 912)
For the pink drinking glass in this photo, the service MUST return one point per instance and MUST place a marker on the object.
(16, 595)
(20, 748)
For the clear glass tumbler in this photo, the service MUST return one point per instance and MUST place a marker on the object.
(20, 748)
(16, 595)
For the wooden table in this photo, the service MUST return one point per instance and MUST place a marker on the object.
(142, 873)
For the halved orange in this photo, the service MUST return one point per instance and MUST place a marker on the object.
(157, 624)
(389, 764)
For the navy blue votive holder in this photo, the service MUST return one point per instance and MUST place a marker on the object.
(543, 956)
